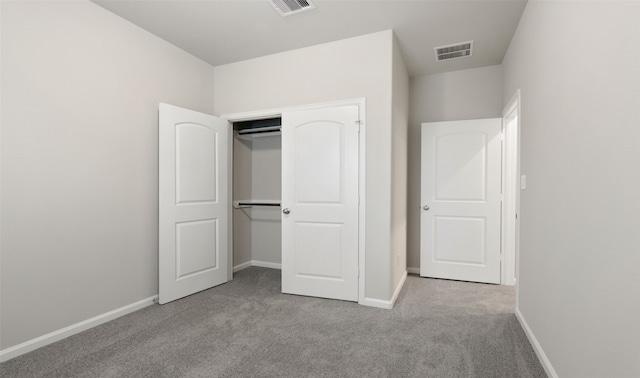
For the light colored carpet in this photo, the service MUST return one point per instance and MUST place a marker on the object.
(247, 328)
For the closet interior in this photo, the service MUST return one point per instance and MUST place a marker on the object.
(257, 182)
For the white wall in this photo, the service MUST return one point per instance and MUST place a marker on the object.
(266, 225)
(347, 69)
(257, 231)
(451, 96)
(242, 190)
(80, 93)
(400, 119)
(577, 65)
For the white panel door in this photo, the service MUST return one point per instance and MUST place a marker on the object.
(461, 199)
(320, 202)
(193, 202)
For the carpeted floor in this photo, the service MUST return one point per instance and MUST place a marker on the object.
(247, 328)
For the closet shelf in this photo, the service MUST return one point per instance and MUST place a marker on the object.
(260, 131)
(251, 203)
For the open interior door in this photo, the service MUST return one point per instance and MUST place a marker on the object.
(320, 202)
(193, 202)
(461, 200)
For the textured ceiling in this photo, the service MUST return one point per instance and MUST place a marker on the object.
(226, 31)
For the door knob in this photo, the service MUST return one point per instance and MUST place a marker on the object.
(426, 207)
(286, 211)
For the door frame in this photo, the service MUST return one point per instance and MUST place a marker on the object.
(277, 112)
(511, 213)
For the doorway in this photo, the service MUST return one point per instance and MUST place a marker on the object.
(472, 234)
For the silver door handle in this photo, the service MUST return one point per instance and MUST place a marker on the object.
(286, 211)
(426, 207)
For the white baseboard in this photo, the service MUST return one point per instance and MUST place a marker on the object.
(242, 266)
(262, 264)
(413, 271)
(544, 360)
(265, 264)
(380, 303)
(398, 288)
(49, 338)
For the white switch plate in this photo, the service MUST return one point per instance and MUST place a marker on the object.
(523, 182)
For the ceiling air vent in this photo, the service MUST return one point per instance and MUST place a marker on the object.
(289, 7)
(458, 50)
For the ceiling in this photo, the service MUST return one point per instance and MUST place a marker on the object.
(227, 31)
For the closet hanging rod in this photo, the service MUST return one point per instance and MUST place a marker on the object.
(250, 204)
(259, 130)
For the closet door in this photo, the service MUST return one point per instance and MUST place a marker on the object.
(193, 202)
(320, 202)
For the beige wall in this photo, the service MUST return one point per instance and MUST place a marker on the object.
(358, 67)
(577, 65)
(80, 93)
(451, 96)
(400, 119)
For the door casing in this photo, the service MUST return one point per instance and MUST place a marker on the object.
(271, 113)
(511, 190)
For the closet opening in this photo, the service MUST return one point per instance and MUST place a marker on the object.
(300, 214)
(295, 196)
(257, 193)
